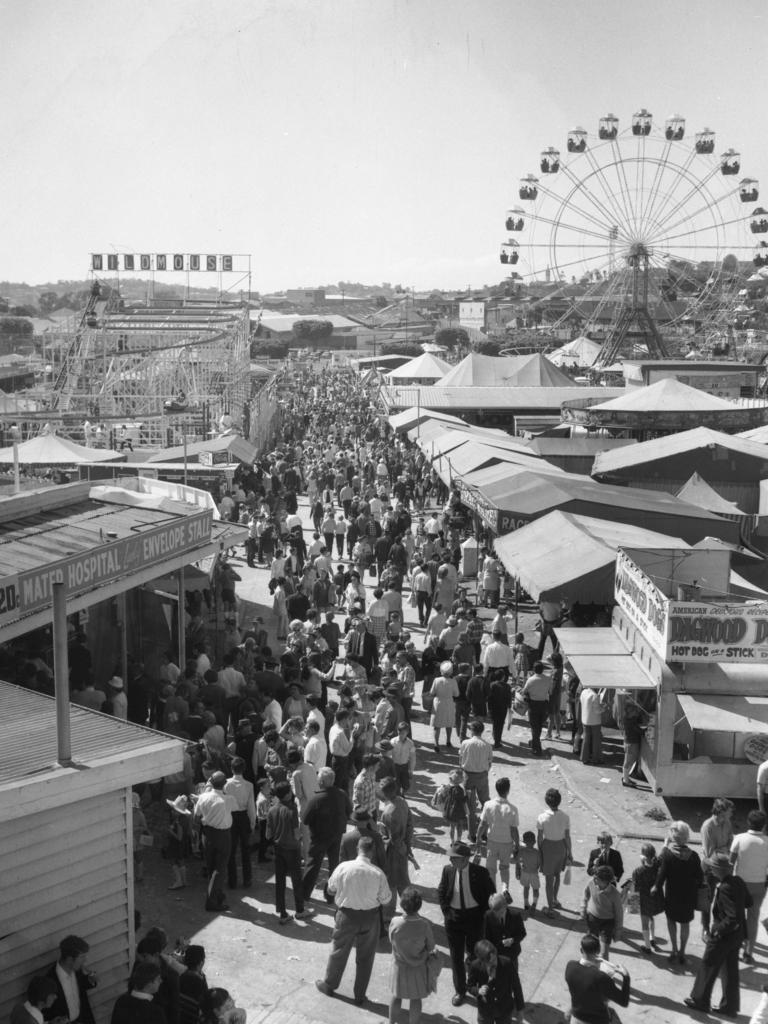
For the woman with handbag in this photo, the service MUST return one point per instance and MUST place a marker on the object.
(413, 946)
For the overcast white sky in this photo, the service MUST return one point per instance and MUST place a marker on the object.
(371, 140)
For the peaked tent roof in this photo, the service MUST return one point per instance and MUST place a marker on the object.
(698, 492)
(234, 445)
(476, 370)
(580, 352)
(50, 450)
(423, 367)
(667, 395)
(408, 418)
(582, 565)
(535, 370)
(670, 445)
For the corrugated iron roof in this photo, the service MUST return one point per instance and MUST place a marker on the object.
(51, 534)
(508, 398)
(28, 735)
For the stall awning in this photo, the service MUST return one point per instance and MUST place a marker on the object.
(598, 671)
(590, 640)
(725, 712)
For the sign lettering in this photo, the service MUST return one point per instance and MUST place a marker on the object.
(33, 590)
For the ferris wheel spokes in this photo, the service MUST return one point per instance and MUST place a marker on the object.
(615, 213)
(709, 204)
(621, 176)
(696, 187)
(568, 200)
(680, 170)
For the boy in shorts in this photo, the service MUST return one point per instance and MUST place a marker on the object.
(527, 865)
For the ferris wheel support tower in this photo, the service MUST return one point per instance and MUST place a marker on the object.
(635, 313)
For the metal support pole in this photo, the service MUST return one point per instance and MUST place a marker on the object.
(180, 621)
(16, 471)
(122, 606)
(61, 675)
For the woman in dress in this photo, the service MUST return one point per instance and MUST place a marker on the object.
(554, 842)
(679, 878)
(444, 693)
(413, 943)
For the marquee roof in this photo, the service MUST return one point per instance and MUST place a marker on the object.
(423, 367)
(581, 566)
(698, 492)
(667, 395)
(51, 450)
(672, 445)
(496, 398)
(580, 352)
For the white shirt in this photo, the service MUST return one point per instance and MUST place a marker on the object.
(497, 655)
(462, 878)
(71, 991)
(749, 851)
(242, 791)
(359, 885)
(316, 752)
(341, 745)
(499, 818)
(273, 713)
(34, 1012)
(591, 712)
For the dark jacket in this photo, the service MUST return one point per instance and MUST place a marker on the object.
(59, 1007)
(500, 999)
(129, 1010)
(349, 841)
(511, 927)
(480, 885)
(326, 815)
(729, 903)
(611, 858)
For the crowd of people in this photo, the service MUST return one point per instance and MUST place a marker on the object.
(300, 754)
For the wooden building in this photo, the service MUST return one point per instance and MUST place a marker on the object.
(66, 840)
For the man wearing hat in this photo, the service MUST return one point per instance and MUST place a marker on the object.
(463, 894)
(118, 698)
(214, 808)
(727, 931)
(363, 825)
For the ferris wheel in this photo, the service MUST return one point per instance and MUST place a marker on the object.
(641, 220)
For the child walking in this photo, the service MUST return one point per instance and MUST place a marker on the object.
(643, 880)
(179, 840)
(527, 867)
(451, 799)
(603, 910)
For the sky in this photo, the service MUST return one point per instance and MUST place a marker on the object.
(358, 140)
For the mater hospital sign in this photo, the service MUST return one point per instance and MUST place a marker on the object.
(690, 632)
(32, 591)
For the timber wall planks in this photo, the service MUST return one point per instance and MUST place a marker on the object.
(68, 870)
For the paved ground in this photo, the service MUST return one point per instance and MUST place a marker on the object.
(271, 969)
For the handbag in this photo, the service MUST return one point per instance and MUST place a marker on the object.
(567, 875)
(703, 899)
(434, 965)
(427, 699)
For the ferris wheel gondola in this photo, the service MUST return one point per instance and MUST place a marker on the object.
(642, 217)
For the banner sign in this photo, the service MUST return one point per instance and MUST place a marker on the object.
(472, 314)
(32, 591)
(178, 261)
(642, 601)
(720, 633)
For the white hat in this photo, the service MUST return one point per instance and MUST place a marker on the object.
(115, 682)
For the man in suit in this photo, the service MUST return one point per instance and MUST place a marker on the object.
(491, 979)
(326, 818)
(363, 645)
(727, 931)
(138, 1006)
(72, 983)
(41, 993)
(463, 894)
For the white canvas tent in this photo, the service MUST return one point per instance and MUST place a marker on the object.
(579, 352)
(50, 450)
